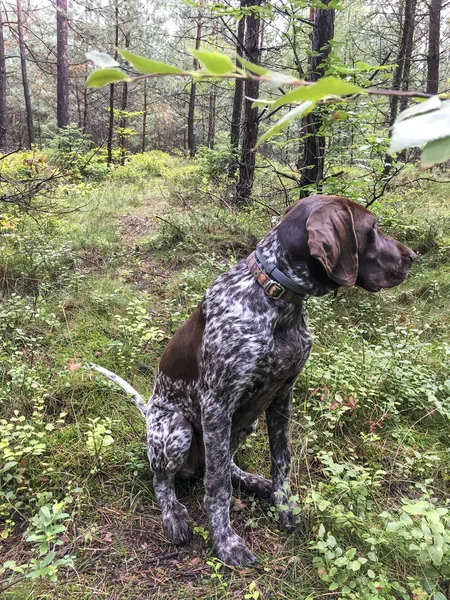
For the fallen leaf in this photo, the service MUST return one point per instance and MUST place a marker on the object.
(72, 365)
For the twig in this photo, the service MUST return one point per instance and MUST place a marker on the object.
(171, 224)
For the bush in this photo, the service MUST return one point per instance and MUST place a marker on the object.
(150, 164)
(214, 163)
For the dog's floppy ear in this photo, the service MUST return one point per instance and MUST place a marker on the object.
(332, 241)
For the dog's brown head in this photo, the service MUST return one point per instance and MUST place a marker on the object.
(340, 241)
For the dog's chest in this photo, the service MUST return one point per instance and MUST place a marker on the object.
(288, 352)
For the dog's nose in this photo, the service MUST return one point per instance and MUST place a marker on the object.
(412, 256)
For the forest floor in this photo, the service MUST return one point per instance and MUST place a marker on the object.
(110, 284)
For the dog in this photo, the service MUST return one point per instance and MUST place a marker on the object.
(238, 356)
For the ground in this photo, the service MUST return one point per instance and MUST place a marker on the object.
(369, 430)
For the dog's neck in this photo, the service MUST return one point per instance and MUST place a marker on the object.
(272, 252)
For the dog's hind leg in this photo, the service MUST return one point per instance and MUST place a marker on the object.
(252, 484)
(169, 437)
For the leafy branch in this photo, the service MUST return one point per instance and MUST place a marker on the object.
(426, 124)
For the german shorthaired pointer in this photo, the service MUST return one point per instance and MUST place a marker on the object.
(240, 352)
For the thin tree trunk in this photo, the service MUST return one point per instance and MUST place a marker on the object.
(62, 28)
(434, 37)
(191, 111)
(3, 122)
(248, 157)
(111, 91)
(410, 27)
(237, 101)
(212, 117)
(399, 74)
(123, 121)
(85, 108)
(314, 147)
(25, 83)
(144, 120)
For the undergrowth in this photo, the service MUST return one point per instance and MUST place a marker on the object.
(370, 424)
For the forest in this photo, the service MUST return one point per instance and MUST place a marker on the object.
(145, 148)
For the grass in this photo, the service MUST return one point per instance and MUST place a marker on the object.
(110, 283)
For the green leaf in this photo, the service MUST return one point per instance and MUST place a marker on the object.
(147, 65)
(213, 62)
(355, 565)
(256, 69)
(293, 114)
(261, 102)
(418, 508)
(101, 59)
(327, 86)
(47, 560)
(9, 465)
(439, 596)
(333, 586)
(104, 77)
(435, 152)
(45, 511)
(420, 130)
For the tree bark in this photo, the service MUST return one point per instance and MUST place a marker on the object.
(212, 117)
(111, 90)
(401, 76)
(62, 28)
(144, 118)
(3, 114)
(25, 83)
(123, 108)
(248, 157)
(191, 111)
(434, 37)
(313, 160)
(410, 25)
(237, 101)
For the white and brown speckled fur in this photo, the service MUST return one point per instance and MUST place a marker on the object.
(235, 358)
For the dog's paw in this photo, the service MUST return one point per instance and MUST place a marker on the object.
(289, 519)
(234, 552)
(176, 525)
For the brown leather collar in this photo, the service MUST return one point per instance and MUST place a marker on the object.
(272, 288)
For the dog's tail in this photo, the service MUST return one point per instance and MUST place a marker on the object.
(127, 388)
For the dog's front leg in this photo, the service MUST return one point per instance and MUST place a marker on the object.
(231, 549)
(277, 417)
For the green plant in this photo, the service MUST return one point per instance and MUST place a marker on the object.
(214, 163)
(425, 527)
(216, 575)
(360, 577)
(136, 331)
(99, 439)
(202, 532)
(253, 593)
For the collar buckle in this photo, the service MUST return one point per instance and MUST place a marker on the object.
(273, 289)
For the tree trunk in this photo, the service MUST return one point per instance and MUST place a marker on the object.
(3, 123)
(123, 107)
(212, 117)
(237, 101)
(410, 25)
(403, 58)
(111, 90)
(62, 27)
(314, 146)
(247, 165)
(191, 111)
(85, 109)
(144, 119)
(25, 83)
(434, 37)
